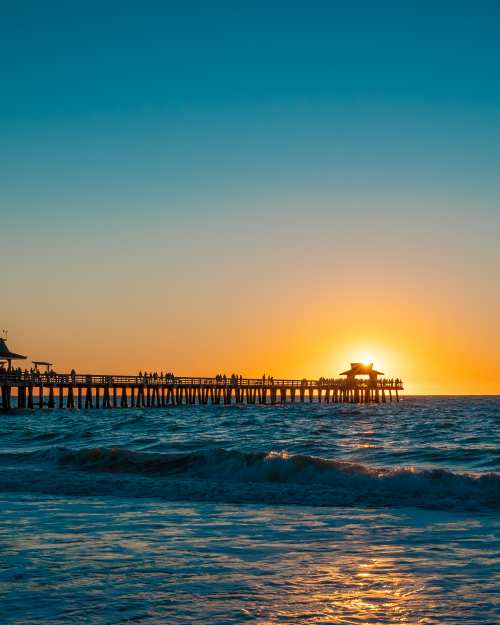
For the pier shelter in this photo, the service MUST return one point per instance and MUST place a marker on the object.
(359, 368)
(7, 355)
(42, 363)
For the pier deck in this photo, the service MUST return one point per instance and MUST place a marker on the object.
(51, 390)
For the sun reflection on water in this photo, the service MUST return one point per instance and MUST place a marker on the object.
(373, 591)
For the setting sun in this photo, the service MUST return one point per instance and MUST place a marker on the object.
(366, 360)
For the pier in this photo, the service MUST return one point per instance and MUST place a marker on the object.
(46, 390)
(37, 389)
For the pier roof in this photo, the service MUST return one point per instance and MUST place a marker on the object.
(358, 368)
(6, 354)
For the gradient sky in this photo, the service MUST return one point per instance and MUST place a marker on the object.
(262, 187)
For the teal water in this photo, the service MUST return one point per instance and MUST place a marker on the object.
(265, 514)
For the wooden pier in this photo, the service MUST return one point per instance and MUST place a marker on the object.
(27, 390)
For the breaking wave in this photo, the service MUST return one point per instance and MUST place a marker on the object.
(237, 477)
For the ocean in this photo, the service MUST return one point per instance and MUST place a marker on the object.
(303, 513)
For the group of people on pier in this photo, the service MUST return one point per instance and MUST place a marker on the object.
(237, 380)
(156, 377)
(233, 379)
(382, 383)
(33, 375)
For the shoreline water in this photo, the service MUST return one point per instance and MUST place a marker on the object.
(204, 514)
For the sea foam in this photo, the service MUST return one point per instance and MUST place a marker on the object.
(236, 476)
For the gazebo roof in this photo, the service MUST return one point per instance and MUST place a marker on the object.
(6, 354)
(358, 368)
(42, 362)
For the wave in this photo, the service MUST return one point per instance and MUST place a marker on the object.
(235, 476)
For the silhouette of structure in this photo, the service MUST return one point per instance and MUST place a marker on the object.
(358, 368)
(42, 363)
(8, 356)
(36, 389)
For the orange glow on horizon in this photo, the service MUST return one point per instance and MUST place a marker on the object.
(286, 311)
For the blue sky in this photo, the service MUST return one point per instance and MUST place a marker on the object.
(87, 59)
(275, 94)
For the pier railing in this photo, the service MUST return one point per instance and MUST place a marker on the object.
(36, 378)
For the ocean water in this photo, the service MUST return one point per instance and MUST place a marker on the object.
(304, 513)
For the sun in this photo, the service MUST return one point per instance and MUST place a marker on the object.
(366, 360)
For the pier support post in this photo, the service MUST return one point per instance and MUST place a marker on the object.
(140, 396)
(6, 397)
(88, 397)
(21, 397)
(273, 395)
(123, 397)
(51, 402)
(106, 399)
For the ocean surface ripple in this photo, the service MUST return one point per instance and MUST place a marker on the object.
(435, 453)
(221, 515)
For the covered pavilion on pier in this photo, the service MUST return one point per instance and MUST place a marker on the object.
(360, 368)
(7, 355)
(42, 363)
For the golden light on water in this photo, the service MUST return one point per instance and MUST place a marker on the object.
(369, 590)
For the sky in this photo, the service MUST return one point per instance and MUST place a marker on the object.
(277, 188)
